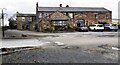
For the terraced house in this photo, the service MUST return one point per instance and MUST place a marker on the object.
(60, 18)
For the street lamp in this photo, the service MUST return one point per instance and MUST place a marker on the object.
(2, 16)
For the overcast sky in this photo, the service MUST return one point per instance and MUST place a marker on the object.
(29, 6)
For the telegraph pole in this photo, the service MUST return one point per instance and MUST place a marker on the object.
(3, 24)
(2, 16)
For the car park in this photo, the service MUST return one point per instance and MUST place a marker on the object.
(81, 26)
(110, 27)
(96, 27)
(82, 29)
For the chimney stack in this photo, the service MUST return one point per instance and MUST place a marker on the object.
(60, 5)
(37, 4)
(17, 12)
(67, 5)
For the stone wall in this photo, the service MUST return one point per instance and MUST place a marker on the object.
(23, 25)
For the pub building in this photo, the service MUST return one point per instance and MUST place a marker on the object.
(59, 17)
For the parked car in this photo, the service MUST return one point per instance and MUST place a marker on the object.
(83, 29)
(110, 27)
(118, 26)
(96, 27)
(81, 26)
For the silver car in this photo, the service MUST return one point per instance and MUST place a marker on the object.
(110, 27)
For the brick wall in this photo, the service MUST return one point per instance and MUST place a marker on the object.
(91, 19)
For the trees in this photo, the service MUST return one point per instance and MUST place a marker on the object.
(12, 23)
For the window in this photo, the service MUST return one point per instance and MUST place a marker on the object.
(107, 24)
(71, 15)
(92, 25)
(107, 16)
(59, 23)
(40, 15)
(54, 21)
(23, 19)
(96, 16)
(114, 24)
(45, 14)
(29, 19)
(100, 25)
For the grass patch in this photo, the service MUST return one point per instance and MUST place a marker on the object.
(39, 48)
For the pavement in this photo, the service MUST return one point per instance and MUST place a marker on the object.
(70, 47)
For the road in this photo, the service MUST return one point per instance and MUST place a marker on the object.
(77, 47)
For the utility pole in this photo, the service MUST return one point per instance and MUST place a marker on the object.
(2, 16)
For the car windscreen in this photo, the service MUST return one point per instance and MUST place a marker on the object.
(100, 25)
(92, 25)
(80, 23)
(114, 25)
(107, 24)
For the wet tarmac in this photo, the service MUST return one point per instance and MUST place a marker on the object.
(77, 47)
(55, 54)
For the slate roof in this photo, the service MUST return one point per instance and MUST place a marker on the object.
(25, 15)
(73, 9)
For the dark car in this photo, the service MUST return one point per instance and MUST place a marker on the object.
(82, 29)
(119, 26)
(81, 26)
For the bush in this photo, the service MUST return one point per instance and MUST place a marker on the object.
(71, 27)
(49, 29)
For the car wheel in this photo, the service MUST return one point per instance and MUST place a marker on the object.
(115, 30)
(94, 29)
(102, 30)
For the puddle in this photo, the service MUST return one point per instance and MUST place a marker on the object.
(97, 50)
(106, 35)
(44, 35)
(12, 43)
(106, 46)
(18, 49)
(12, 50)
(71, 47)
(116, 48)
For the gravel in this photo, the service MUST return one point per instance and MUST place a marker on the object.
(56, 54)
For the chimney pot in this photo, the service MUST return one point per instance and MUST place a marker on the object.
(37, 4)
(60, 5)
(67, 5)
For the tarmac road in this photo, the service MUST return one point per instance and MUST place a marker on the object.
(78, 47)
(55, 55)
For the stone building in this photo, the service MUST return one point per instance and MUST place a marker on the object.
(87, 15)
(58, 18)
(26, 21)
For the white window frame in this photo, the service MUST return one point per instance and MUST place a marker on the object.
(23, 19)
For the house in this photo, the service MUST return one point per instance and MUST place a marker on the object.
(63, 18)
(26, 21)
(59, 16)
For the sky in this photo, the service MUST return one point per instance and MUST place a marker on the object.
(29, 6)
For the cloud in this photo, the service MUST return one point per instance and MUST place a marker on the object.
(13, 6)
